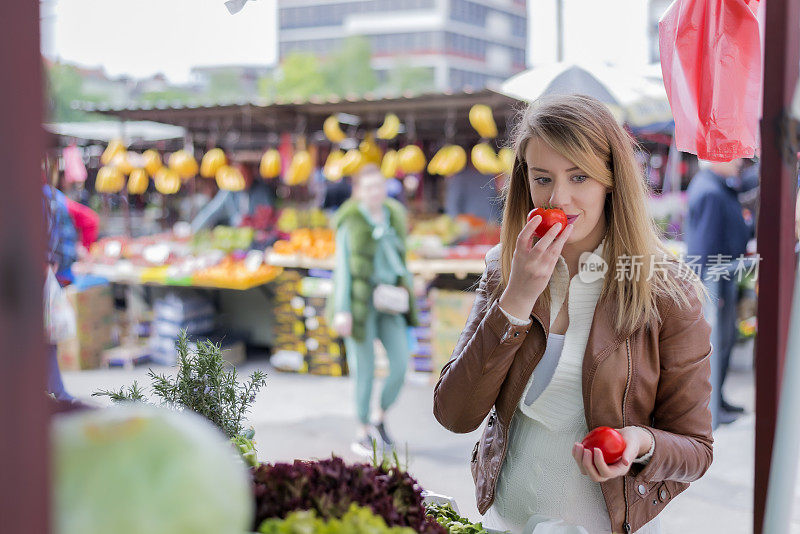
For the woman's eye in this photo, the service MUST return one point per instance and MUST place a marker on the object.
(580, 178)
(541, 180)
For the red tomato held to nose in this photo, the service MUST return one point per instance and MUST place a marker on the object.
(609, 441)
(550, 216)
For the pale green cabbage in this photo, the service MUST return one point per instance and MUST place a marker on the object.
(139, 469)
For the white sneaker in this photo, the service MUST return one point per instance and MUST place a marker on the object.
(364, 446)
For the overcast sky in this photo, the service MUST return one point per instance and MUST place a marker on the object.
(144, 37)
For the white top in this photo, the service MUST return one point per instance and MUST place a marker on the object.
(540, 482)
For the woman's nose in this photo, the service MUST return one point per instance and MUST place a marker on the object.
(559, 196)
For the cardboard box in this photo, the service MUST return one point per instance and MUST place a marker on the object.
(449, 313)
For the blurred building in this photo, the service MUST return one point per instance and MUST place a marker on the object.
(464, 43)
(621, 32)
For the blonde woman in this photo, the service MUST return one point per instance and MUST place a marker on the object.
(550, 352)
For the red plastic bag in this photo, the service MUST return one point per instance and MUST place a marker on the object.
(711, 61)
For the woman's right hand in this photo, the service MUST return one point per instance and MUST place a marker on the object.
(532, 266)
(343, 324)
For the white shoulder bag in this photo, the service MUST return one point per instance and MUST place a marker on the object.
(390, 299)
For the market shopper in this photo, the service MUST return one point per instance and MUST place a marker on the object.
(61, 254)
(717, 234)
(373, 297)
(554, 348)
(230, 207)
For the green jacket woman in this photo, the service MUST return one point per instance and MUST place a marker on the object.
(370, 251)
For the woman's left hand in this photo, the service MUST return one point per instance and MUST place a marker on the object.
(592, 464)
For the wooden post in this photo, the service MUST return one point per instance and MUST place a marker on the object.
(775, 235)
(24, 448)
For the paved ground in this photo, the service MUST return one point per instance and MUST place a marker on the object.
(299, 416)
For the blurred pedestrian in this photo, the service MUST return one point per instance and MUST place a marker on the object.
(62, 236)
(61, 254)
(230, 207)
(716, 230)
(373, 297)
(557, 343)
(470, 191)
(86, 222)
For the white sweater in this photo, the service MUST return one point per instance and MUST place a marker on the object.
(539, 481)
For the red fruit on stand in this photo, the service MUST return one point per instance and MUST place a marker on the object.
(609, 441)
(550, 216)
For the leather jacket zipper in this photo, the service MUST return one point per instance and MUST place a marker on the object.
(626, 525)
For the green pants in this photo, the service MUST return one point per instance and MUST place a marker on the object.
(391, 330)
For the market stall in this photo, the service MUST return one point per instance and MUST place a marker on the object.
(299, 155)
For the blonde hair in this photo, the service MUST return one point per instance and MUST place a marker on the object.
(583, 130)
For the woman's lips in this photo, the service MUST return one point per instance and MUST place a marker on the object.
(571, 218)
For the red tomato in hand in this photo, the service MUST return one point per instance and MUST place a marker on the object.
(550, 216)
(609, 441)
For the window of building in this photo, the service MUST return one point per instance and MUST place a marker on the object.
(519, 26)
(459, 79)
(335, 14)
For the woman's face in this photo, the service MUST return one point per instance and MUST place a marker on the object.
(557, 182)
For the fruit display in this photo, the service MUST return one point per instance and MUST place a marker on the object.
(507, 158)
(230, 178)
(183, 164)
(485, 159)
(370, 151)
(227, 238)
(389, 164)
(115, 146)
(167, 181)
(270, 166)
(109, 180)
(390, 127)
(443, 226)
(212, 161)
(291, 219)
(480, 117)
(262, 218)
(352, 161)
(289, 329)
(333, 169)
(317, 243)
(122, 162)
(411, 159)
(300, 168)
(449, 160)
(138, 182)
(234, 274)
(332, 130)
(152, 162)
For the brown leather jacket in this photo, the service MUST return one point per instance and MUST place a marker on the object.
(656, 378)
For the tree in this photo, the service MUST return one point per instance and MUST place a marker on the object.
(300, 77)
(404, 78)
(64, 88)
(167, 95)
(348, 71)
(225, 86)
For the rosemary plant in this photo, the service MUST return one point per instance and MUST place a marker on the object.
(205, 383)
